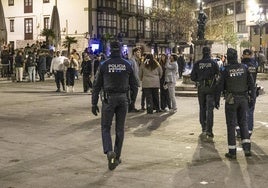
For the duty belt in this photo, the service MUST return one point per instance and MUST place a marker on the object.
(207, 83)
(239, 93)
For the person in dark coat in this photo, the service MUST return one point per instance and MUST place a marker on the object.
(86, 71)
(41, 66)
(19, 61)
(181, 64)
(165, 102)
(5, 62)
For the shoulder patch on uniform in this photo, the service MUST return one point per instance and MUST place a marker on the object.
(102, 62)
(127, 61)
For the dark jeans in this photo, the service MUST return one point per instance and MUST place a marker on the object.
(41, 74)
(236, 113)
(133, 97)
(164, 99)
(206, 114)
(117, 104)
(59, 78)
(152, 99)
(86, 82)
(142, 99)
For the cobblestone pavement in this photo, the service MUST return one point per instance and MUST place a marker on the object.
(51, 140)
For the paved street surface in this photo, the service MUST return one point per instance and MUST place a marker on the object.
(51, 140)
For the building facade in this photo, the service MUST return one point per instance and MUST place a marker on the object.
(239, 17)
(26, 19)
(93, 22)
(132, 23)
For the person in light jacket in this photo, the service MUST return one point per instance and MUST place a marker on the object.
(170, 79)
(150, 74)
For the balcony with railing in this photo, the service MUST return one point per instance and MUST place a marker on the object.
(127, 9)
(107, 6)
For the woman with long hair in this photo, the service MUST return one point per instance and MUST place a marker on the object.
(165, 103)
(150, 74)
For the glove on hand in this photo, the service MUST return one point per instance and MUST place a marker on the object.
(95, 110)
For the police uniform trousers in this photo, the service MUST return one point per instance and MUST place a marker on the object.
(206, 107)
(250, 116)
(250, 119)
(115, 104)
(237, 113)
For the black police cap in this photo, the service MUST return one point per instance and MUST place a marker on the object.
(247, 52)
(231, 54)
(115, 46)
(206, 50)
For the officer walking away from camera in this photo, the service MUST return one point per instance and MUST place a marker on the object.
(114, 78)
(238, 86)
(252, 66)
(205, 73)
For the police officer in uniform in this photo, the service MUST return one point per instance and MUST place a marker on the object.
(252, 66)
(205, 73)
(238, 87)
(114, 79)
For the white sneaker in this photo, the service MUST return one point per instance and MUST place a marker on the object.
(166, 109)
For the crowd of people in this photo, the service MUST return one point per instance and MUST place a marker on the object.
(158, 76)
(117, 80)
(38, 61)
